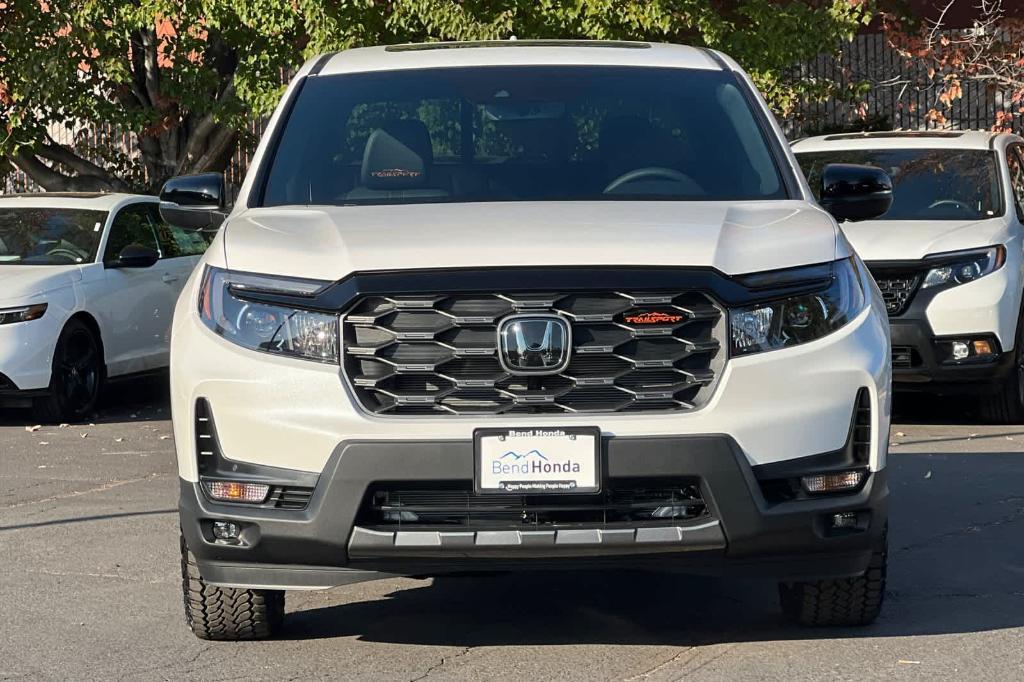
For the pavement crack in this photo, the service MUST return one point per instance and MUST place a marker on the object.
(968, 530)
(440, 664)
(78, 493)
(660, 666)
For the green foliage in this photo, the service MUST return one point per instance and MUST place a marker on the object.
(69, 63)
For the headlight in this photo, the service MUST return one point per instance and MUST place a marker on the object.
(965, 266)
(266, 327)
(22, 313)
(799, 319)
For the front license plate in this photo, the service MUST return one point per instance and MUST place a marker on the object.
(535, 461)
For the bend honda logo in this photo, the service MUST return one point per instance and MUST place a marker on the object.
(534, 344)
(532, 463)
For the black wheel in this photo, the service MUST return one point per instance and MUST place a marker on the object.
(75, 377)
(1006, 405)
(840, 601)
(225, 613)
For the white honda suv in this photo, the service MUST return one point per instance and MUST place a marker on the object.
(528, 305)
(948, 258)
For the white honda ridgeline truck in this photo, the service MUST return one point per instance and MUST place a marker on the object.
(528, 305)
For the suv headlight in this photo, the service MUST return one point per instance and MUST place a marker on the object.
(964, 266)
(266, 327)
(800, 318)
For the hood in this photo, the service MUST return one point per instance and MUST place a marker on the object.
(329, 243)
(879, 240)
(19, 283)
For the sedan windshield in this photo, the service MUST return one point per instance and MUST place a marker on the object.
(531, 133)
(49, 236)
(928, 184)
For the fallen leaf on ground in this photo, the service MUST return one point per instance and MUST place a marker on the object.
(164, 437)
(33, 429)
(900, 434)
(43, 442)
(84, 435)
(118, 440)
(63, 426)
(928, 475)
(906, 662)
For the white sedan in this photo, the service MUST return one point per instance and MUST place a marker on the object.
(88, 283)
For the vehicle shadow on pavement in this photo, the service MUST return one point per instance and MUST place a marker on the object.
(143, 398)
(956, 563)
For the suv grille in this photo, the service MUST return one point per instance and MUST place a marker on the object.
(438, 354)
(898, 290)
(448, 504)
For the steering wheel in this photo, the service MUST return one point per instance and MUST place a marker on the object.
(958, 205)
(63, 252)
(650, 173)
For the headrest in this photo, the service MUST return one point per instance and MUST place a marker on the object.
(398, 155)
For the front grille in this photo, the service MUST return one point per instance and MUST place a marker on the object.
(453, 504)
(905, 357)
(897, 289)
(438, 354)
(289, 497)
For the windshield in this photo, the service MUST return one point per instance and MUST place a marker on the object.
(49, 236)
(928, 184)
(536, 133)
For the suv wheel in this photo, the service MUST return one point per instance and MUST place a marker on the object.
(75, 378)
(840, 601)
(225, 613)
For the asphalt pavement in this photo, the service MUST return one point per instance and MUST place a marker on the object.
(90, 587)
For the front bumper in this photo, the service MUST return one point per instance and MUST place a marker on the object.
(920, 364)
(743, 532)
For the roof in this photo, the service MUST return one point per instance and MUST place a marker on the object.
(515, 53)
(97, 201)
(924, 139)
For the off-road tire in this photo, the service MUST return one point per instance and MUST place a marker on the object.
(225, 613)
(1006, 405)
(840, 601)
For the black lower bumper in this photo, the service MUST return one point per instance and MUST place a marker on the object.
(743, 533)
(922, 364)
(12, 396)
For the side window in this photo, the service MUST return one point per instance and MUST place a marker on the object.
(1016, 164)
(131, 226)
(174, 241)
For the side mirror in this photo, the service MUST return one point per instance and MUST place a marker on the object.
(194, 202)
(851, 192)
(135, 256)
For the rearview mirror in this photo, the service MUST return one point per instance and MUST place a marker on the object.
(852, 192)
(135, 256)
(194, 202)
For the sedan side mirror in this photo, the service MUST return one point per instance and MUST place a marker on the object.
(135, 256)
(194, 202)
(851, 192)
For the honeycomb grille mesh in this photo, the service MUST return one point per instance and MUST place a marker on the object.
(632, 351)
(897, 291)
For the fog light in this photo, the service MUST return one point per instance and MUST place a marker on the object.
(844, 520)
(225, 530)
(831, 483)
(233, 491)
(982, 348)
(960, 350)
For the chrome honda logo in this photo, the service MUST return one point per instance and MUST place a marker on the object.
(534, 344)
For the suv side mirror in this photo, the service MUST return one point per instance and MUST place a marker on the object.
(194, 202)
(135, 256)
(852, 192)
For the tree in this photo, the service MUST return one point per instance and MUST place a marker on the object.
(181, 78)
(941, 60)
